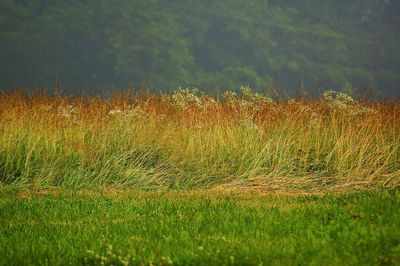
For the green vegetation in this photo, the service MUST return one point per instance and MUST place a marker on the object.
(199, 228)
(224, 175)
(88, 180)
(188, 140)
(218, 44)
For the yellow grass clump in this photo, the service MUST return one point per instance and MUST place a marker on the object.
(187, 139)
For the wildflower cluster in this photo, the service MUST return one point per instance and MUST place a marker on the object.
(337, 100)
(246, 92)
(182, 99)
(230, 96)
(341, 101)
(249, 100)
(252, 101)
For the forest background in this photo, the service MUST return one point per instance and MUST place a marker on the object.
(93, 45)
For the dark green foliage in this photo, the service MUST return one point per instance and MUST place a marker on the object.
(224, 44)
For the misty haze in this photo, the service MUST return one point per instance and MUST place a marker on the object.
(95, 45)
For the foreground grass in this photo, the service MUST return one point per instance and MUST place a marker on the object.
(199, 228)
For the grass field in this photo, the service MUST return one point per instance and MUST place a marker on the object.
(185, 178)
(186, 140)
(199, 228)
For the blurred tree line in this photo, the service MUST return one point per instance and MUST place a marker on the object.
(222, 44)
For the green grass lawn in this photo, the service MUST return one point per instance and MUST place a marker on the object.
(199, 228)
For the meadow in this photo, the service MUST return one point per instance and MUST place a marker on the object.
(186, 178)
(185, 140)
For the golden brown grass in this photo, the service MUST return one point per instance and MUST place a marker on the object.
(185, 140)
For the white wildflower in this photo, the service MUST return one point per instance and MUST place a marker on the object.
(342, 101)
(181, 99)
(69, 113)
(246, 91)
(229, 96)
(337, 100)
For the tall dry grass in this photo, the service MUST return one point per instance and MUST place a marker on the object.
(185, 139)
